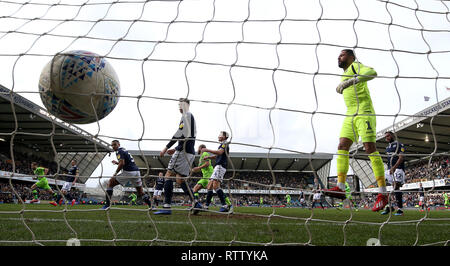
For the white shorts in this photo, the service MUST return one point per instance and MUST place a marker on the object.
(67, 186)
(316, 196)
(157, 193)
(421, 198)
(219, 173)
(129, 178)
(181, 163)
(398, 176)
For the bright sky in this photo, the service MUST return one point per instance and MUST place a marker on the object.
(236, 99)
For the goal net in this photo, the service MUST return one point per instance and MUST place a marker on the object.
(266, 72)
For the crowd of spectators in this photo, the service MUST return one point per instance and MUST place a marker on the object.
(410, 199)
(422, 171)
(250, 180)
(23, 162)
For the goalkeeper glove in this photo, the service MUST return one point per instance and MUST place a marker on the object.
(345, 84)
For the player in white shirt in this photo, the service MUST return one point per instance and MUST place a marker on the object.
(317, 198)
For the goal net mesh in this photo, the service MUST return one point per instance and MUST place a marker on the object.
(264, 71)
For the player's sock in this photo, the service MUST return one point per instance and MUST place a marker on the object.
(109, 193)
(399, 199)
(187, 190)
(35, 193)
(168, 191)
(342, 161)
(378, 170)
(228, 201)
(221, 196)
(146, 199)
(209, 197)
(58, 199)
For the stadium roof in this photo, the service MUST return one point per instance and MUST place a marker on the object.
(422, 134)
(34, 131)
(242, 161)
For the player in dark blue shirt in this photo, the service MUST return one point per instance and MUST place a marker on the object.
(422, 199)
(221, 156)
(395, 174)
(158, 188)
(183, 156)
(126, 161)
(130, 175)
(71, 179)
(73, 172)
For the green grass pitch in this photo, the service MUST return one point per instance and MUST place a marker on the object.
(134, 225)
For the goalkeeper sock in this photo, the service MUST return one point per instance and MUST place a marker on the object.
(378, 170)
(342, 161)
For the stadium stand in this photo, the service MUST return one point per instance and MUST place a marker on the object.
(70, 142)
(420, 144)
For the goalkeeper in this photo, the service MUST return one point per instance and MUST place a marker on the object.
(360, 120)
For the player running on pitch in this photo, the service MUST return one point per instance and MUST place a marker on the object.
(317, 199)
(360, 121)
(221, 156)
(71, 179)
(40, 174)
(182, 156)
(288, 200)
(130, 175)
(207, 170)
(159, 186)
(422, 200)
(133, 198)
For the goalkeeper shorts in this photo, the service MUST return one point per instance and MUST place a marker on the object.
(364, 126)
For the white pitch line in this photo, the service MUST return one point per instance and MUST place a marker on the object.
(200, 223)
